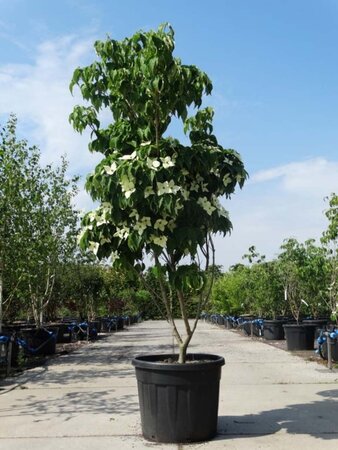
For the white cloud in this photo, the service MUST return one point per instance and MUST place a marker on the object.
(313, 177)
(278, 203)
(38, 94)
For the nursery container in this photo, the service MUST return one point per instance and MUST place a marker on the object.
(178, 402)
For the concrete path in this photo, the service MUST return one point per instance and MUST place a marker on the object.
(269, 399)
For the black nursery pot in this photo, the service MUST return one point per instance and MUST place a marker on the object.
(228, 323)
(66, 333)
(299, 337)
(178, 402)
(40, 340)
(273, 330)
(334, 351)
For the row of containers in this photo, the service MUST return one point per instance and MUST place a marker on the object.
(25, 338)
(307, 334)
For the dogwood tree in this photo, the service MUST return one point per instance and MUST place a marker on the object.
(157, 196)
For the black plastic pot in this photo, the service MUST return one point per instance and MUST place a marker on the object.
(15, 347)
(299, 337)
(319, 324)
(220, 320)
(273, 330)
(228, 323)
(96, 324)
(247, 325)
(40, 341)
(334, 351)
(178, 402)
(66, 333)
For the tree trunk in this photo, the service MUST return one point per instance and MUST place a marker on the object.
(182, 356)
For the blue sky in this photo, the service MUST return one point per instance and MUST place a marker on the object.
(274, 66)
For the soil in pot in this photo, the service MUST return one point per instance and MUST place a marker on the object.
(299, 337)
(178, 402)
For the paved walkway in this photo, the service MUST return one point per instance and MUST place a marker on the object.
(269, 399)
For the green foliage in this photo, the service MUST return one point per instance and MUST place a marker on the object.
(303, 269)
(330, 243)
(266, 290)
(86, 289)
(254, 289)
(331, 234)
(38, 223)
(156, 195)
(230, 293)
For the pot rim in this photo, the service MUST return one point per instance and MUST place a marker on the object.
(155, 362)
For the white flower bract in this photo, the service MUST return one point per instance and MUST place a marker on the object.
(220, 210)
(110, 169)
(171, 225)
(128, 186)
(144, 144)
(134, 213)
(140, 227)
(128, 157)
(146, 220)
(167, 162)
(167, 187)
(206, 205)
(153, 163)
(114, 256)
(94, 247)
(194, 186)
(159, 240)
(122, 232)
(160, 224)
(226, 180)
(148, 191)
(101, 221)
(185, 193)
(105, 240)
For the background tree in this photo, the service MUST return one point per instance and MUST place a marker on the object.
(230, 294)
(266, 290)
(330, 242)
(255, 289)
(79, 290)
(157, 196)
(38, 222)
(13, 156)
(303, 270)
(50, 230)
